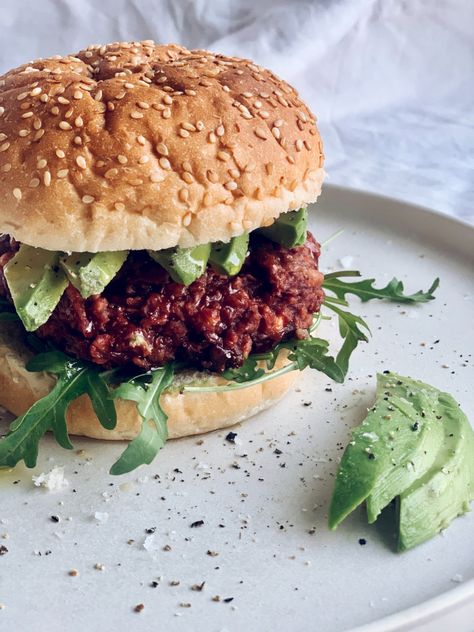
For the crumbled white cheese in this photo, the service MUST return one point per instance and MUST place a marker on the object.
(53, 480)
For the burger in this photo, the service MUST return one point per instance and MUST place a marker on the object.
(157, 277)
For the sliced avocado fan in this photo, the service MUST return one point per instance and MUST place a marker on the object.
(415, 445)
(289, 229)
(89, 272)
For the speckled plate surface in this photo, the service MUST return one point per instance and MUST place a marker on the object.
(264, 553)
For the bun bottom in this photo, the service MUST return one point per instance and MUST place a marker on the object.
(188, 413)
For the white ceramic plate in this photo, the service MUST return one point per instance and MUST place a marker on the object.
(264, 513)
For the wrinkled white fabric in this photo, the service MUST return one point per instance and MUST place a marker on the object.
(392, 81)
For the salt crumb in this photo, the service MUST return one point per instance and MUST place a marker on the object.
(149, 543)
(346, 262)
(101, 516)
(53, 480)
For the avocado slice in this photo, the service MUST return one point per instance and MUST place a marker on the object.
(445, 490)
(289, 229)
(36, 282)
(91, 272)
(228, 258)
(184, 265)
(415, 444)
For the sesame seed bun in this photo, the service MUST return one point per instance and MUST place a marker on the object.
(139, 146)
(188, 413)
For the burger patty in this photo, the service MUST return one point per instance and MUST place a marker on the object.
(144, 318)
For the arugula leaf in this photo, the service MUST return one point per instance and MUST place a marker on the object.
(249, 370)
(146, 391)
(75, 378)
(365, 290)
(350, 330)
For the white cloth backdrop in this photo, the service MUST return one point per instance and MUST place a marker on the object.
(392, 81)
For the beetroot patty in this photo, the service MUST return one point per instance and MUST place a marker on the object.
(146, 319)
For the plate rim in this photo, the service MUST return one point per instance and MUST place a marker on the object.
(388, 198)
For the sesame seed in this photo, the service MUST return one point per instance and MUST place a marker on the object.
(187, 166)
(81, 162)
(54, 110)
(187, 219)
(23, 132)
(212, 176)
(143, 160)
(6, 167)
(276, 132)
(17, 194)
(20, 97)
(143, 105)
(119, 206)
(34, 182)
(263, 114)
(302, 116)
(77, 95)
(87, 199)
(258, 104)
(188, 177)
(77, 140)
(111, 173)
(162, 149)
(47, 178)
(129, 85)
(220, 130)
(39, 134)
(141, 140)
(231, 185)
(44, 98)
(60, 153)
(223, 155)
(37, 124)
(63, 101)
(122, 159)
(41, 164)
(183, 133)
(212, 138)
(136, 115)
(269, 168)
(166, 113)
(188, 126)
(98, 95)
(27, 115)
(167, 99)
(64, 125)
(164, 163)
(278, 123)
(62, 173)
(290, 159)
(156, 177)
(246, 114)
(2, 110)
(260, 133)
(207, 199)
(190, 93)
(79, 122)
(2, 136)
(307, 144)
(183, 195)
(200, 126)
(4, 146)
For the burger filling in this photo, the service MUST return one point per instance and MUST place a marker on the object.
(144, 317)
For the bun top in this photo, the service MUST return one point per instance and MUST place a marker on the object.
(134, 146)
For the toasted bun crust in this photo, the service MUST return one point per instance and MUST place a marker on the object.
(134, 146)
(188, 413)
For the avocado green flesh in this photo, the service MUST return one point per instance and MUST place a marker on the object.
(289, 229)
(36, 282)
(184, 265)
(445, 490)
(89, 272)
(228, 258)
(415, 444)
